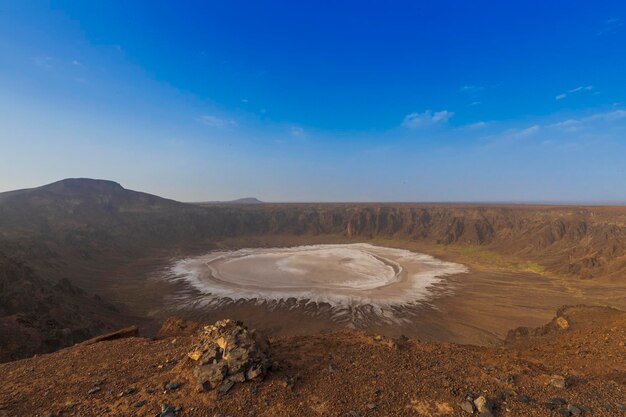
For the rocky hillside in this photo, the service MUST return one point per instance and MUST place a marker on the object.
(578, 369)
(38, 316)
(82, 220)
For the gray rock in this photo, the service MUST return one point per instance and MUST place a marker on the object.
(94, 390)
(484, 407)
(127, 391)
(140, 403)
(172, 386)
(565, 412)
(558, 381)
(167, 411)
(225, 386)
(467, 406)
(554, 402)
(575, 410)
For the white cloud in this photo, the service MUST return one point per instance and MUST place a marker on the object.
(245, 100)
(574, 90)
(427, 118)
(471, 89)
(477, 125)
(519, 134)
(581, 88)
(297, 131)
(511, 136)
(215, 121)
(571, 125)
(609, 116)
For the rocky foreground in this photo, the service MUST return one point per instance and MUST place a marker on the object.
(575, 365)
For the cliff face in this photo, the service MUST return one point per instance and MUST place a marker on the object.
(87, 219)
(582, 242)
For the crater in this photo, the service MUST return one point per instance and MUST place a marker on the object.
(348, 277)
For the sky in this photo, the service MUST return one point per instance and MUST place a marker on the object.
(440, 101)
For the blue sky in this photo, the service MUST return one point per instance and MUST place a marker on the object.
(318, 101)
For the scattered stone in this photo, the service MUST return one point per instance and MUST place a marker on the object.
(94, 390)
(254, 389)
(562, 323)
(227, 351)
(620, 406)
(565, 412)
(524, 399)
(484, 407)
(127, 391)
(140, 403)
(172, 386)
(371, 406)
(467, 406)
(575, 410)
(558, 381)
(150, 390)
(167, 411)
(554, 402)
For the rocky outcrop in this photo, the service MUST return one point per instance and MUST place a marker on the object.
(226, 353)
(38, 316)
(567, 318)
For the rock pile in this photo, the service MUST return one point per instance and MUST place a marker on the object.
(226, 353)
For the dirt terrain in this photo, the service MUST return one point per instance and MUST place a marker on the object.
(575, 365)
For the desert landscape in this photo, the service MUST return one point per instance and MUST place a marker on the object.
(312, 209)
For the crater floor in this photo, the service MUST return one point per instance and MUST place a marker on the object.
(341, 275)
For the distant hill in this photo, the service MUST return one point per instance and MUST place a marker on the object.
(245, 200)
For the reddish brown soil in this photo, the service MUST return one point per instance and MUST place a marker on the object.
(338, 373)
